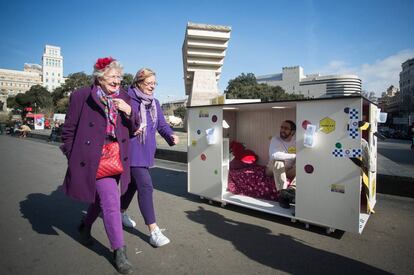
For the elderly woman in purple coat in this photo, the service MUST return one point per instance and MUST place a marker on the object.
(99, 115)
(142, 150)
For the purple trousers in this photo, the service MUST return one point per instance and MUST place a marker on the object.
(141, 181)
(108, 201)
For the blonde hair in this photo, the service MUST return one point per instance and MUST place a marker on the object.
(113, 65)
(142, 74)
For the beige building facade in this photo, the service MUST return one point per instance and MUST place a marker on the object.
(13, 82)
(49, 75)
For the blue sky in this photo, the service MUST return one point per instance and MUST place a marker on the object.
(367, 38)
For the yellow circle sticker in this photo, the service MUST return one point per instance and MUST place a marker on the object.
(292, 150)
(327, 125)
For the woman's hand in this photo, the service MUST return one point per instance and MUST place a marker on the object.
(137, 132)
(175, 138)
(121, 105)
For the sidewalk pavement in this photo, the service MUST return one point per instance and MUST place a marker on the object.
(395, 174)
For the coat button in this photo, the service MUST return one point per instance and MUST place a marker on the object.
(125, 158)
(123, 140)
(91, 124)
(88, 142)
(82, 163)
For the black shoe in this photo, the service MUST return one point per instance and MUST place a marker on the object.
(289, 194)
(122, 264)
(284, 202)
(85, 234)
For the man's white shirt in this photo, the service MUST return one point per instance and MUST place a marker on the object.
(283, 150)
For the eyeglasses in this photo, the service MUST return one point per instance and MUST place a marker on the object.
(118, 77)
(150, 83)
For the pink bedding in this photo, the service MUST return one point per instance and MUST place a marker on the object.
(252, 181)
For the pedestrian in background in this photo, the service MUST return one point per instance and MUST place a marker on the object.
(97, 116)
(54, 133)
(142, 151)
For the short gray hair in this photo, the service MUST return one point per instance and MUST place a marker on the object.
(113, 65)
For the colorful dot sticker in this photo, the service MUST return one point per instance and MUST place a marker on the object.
(194, 142)
(215, 172)
(214, 118)
(198, 132)
(309, 168)
(305, 124)
(338, 145)
(203, 157)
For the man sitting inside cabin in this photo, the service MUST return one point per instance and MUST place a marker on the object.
(282, 162)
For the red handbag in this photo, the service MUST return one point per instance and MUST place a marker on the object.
(110, 163)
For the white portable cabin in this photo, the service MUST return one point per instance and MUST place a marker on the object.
(332, 189)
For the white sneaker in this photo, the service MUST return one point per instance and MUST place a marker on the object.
(158, 239)
(127, 221)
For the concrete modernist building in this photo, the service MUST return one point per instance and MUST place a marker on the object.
(294, 81)
(52, 64)
(204, 49)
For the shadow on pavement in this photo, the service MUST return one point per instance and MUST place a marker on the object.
(171, 182)
(47, 212)
(281, 252)
(175, 183)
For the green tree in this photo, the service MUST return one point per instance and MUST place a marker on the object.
(76, 81)
(245, 86)
(73, 82)
(22, 100)
(180, 112)
(62, 105)
(12, 104)
(242, 80)
(127, 80)
(40, 97)
(57, 95)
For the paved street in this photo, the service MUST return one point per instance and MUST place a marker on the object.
(38, 225)
(396, 158)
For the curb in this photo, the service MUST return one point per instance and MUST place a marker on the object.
(395, 185)
(176, 156)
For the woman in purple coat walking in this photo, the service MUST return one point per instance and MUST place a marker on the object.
(142, 151)
(99, 115)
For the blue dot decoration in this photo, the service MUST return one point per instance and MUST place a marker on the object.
(198, 132)
(346, 110)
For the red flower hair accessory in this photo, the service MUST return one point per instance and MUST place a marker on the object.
(101, 63)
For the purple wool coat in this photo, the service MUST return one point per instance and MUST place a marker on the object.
(83, 136)
(142, 155)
